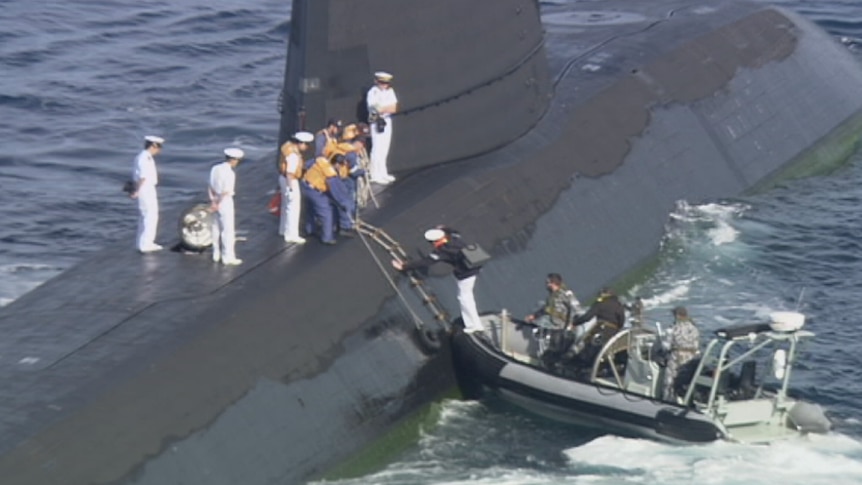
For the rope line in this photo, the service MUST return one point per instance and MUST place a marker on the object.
(396, 251)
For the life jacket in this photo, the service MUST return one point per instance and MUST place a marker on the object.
(318, 173)
(330, 145)
(289, 148)
(308, 163)
(343, 148)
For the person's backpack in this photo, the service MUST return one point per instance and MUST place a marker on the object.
(474, 256)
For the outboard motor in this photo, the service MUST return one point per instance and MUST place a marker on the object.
(809, 418)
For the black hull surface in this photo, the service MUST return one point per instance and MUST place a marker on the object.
(577, 403)
(559, 147)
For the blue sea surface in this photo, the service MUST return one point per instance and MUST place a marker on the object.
(82, 82)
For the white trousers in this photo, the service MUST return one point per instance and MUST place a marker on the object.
(469, 313)
(380, 151)
(291, 205)
(224, 233)
(148, 218)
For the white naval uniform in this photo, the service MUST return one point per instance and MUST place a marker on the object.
(380, 142)
(467, 301)
(148, 201)
(291, 201)
(222, 185)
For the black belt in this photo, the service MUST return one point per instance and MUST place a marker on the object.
(312, 187)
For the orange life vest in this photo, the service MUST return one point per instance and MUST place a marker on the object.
(318, 173)
(331, 143)
(287, 149)
(343, 148)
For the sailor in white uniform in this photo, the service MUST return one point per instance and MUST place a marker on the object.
(290, 170)
(221, 191)
(145, 179)
(382, 104)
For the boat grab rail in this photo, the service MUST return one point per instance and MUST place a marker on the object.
(618, 343)
(757, 342)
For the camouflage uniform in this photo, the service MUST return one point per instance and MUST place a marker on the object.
(557, 311)
(684, 346)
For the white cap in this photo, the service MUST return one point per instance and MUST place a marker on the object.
(435, 234)
(383, 76)
(154, 139)
(303, 137)
(234, 153)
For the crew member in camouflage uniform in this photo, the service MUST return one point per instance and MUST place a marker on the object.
(610, 317)
(684, 344)
(559, 306)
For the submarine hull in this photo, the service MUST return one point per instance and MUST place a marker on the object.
(560, 139)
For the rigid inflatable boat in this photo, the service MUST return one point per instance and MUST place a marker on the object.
(737, 390)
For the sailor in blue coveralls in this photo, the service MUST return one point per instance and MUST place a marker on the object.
(343, 193)
(322, 187)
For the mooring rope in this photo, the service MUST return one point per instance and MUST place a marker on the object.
(361, 230)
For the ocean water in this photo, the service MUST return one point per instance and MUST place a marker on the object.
(82, 82)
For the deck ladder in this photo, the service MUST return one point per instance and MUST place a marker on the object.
(395, 250)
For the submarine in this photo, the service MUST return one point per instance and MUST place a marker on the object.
(558, 136)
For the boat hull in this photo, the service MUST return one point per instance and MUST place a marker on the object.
(577, 403)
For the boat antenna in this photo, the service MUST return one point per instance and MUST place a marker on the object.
(799, 300)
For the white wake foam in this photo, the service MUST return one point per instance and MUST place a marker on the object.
(815, 460)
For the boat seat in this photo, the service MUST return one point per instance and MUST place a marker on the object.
(703, 384)
(745, 387)
(741, 413)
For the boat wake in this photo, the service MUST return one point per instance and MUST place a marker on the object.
(612, 459)
(487, 443)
